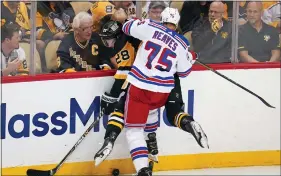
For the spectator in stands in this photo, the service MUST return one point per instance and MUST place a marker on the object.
(155, 9)
(132, 9)
(103, 8)
(266, 5)
(272, 15)
(212, 36)
(13, 60)
(228, 5)
(258, 42)
(242, 12)
(53, 20)
(191, 12)
(81, 50)
(18, 13)
(146, 4)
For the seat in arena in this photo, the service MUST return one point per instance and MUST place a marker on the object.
(81, 6)
(26, 47)
(51, 54)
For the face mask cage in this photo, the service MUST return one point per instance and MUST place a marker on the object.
(109, 42)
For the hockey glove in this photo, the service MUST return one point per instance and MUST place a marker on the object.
(107, 103)
(193, 55)
(68, 70)
(105, 67)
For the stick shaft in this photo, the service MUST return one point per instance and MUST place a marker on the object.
(34, 172)
(78, 142)
(235, 83)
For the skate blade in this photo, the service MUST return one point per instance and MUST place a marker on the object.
(153, 158)
(200, 134)
(99, 159)
(204, 142)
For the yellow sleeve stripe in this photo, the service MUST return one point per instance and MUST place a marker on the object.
(120, 76)
(179, 120)
(115, 124)
(118, 114)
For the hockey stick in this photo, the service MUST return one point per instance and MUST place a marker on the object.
(230, 80)
(34, 172)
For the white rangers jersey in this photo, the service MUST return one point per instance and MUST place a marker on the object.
(163, 53)
(16, 53)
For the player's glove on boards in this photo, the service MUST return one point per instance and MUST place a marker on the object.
(107, 103)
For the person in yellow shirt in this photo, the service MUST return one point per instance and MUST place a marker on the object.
(272, 15)
(103, 8)
(53, 19)
(16, 12)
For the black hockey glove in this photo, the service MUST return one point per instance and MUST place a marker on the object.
(107, 103)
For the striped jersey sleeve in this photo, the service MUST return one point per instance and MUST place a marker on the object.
(139, 29)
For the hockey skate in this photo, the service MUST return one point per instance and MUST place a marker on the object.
(152, 147)
(146, 171)
(106, 149)
(197, 132)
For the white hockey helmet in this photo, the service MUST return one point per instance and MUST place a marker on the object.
(170, 15)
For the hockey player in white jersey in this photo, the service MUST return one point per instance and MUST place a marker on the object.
(175, 115)
(162, 54)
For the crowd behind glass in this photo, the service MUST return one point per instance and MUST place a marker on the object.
(207, 25)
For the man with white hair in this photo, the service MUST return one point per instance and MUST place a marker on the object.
(81, 50)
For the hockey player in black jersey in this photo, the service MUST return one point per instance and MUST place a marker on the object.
(176, 116)
(122, 56)
(82, 50)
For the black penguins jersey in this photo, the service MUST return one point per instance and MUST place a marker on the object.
(20, 16)
(87, 56)
(47, 13)
(124, 53)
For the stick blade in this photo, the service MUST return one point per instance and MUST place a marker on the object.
(266, 103)
(271, 106)
(34, 172)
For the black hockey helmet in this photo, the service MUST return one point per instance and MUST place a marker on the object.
(111, 29)
(109, 32)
